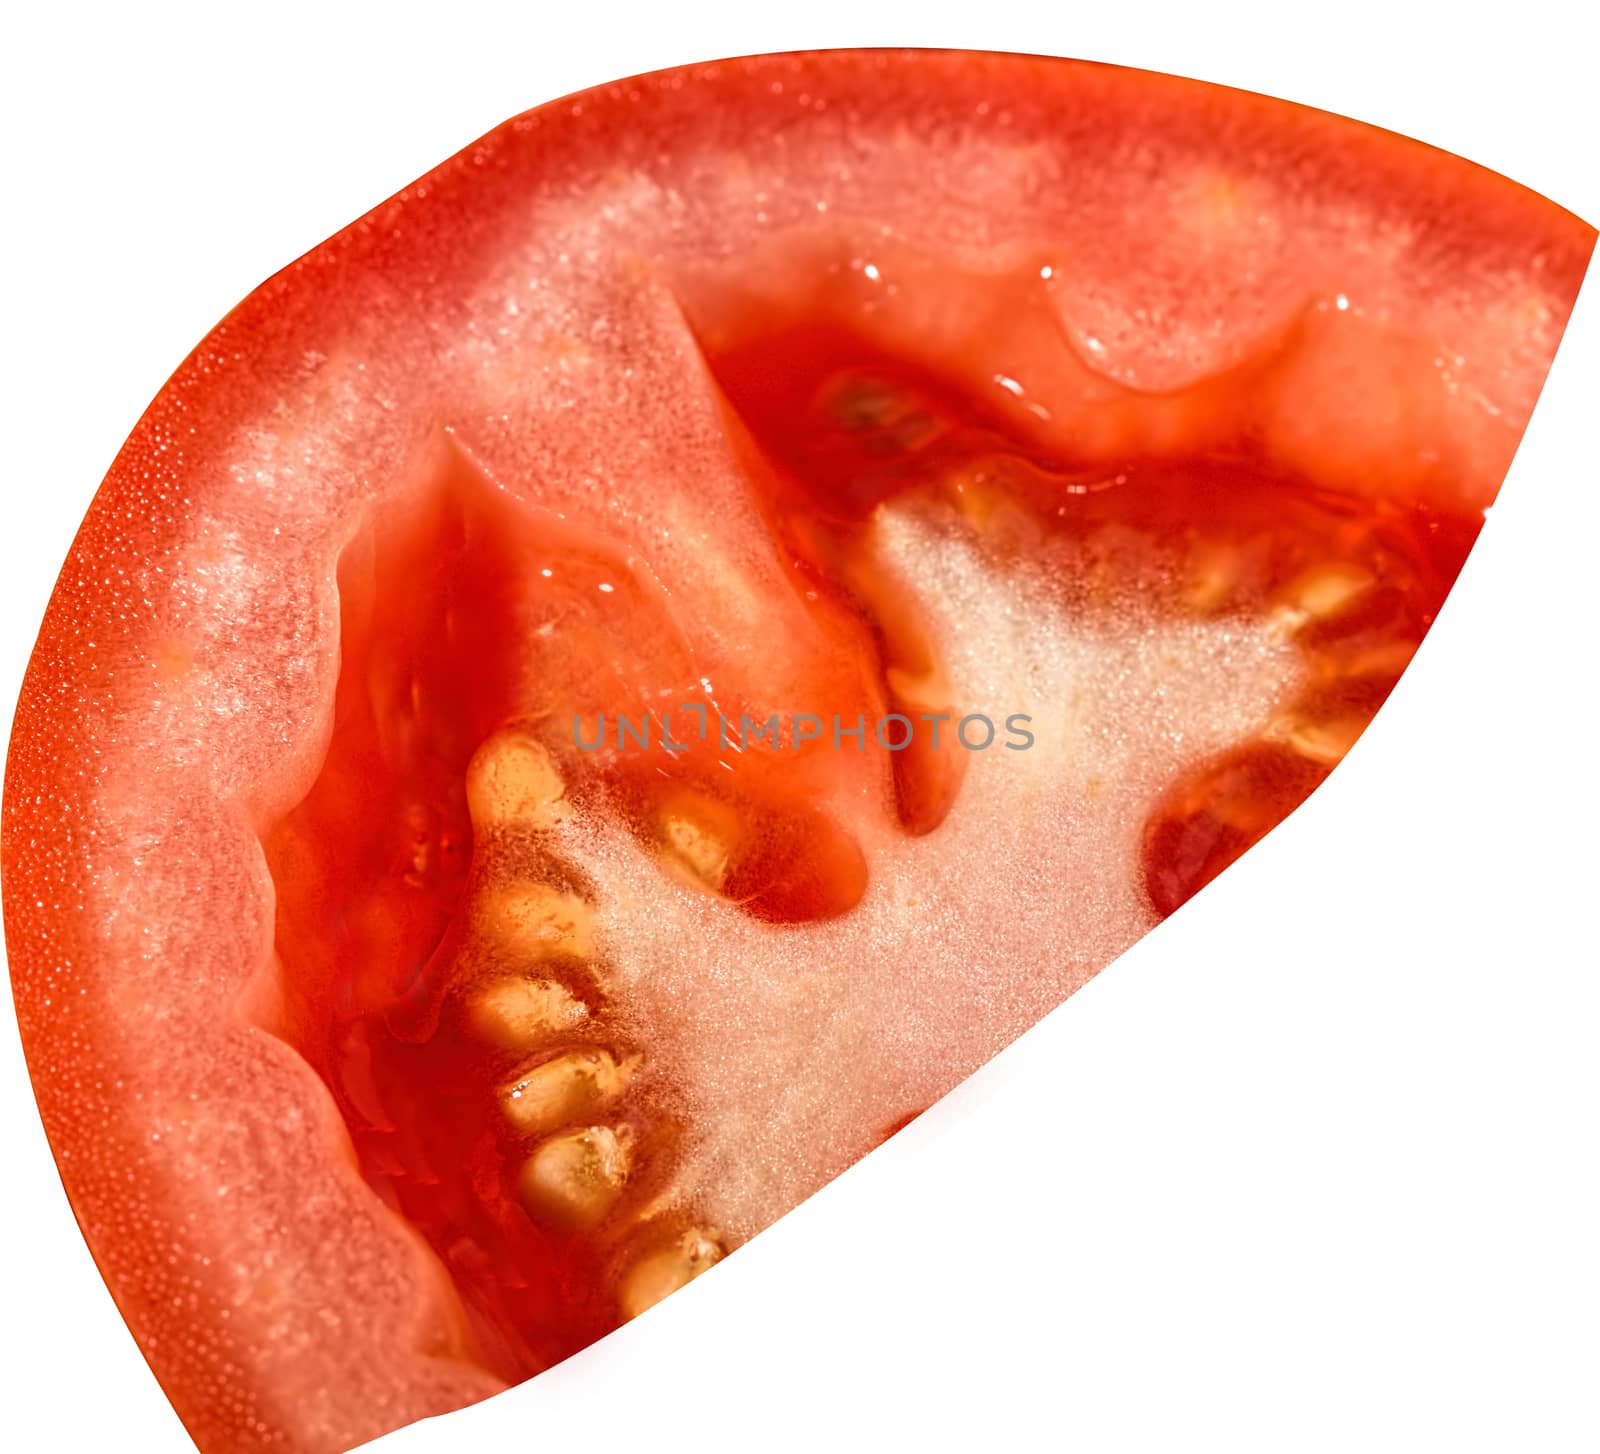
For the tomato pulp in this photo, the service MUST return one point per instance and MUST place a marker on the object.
(521, 858)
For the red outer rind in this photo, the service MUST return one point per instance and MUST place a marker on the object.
(177, 697)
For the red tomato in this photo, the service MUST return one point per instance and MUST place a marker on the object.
(417, 769)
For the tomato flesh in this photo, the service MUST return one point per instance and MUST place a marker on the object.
(1228, 531)
(449, 609)
(857, 386)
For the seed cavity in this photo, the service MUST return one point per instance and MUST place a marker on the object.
(987, 504)
(1324, 740)
(883, 418)
(535, 921)
(485, 976)
(1384, 660)
(1318, 594)
(572, 1087)
(518, 1010)
(697, 838)
(571, 1181)
(1209, 818)
(661, 1273)
(513, 782)
(1213, 575)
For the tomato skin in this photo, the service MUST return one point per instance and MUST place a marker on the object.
(116, 810)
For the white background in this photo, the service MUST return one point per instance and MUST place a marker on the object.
(1312, 1168)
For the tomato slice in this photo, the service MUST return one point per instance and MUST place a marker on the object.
(456, 984)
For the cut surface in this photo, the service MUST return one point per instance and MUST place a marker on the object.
(729, 917)
(476, 844)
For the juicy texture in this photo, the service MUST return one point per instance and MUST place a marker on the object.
(535, 309)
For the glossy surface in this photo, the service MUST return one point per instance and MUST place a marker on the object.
(527, 363)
